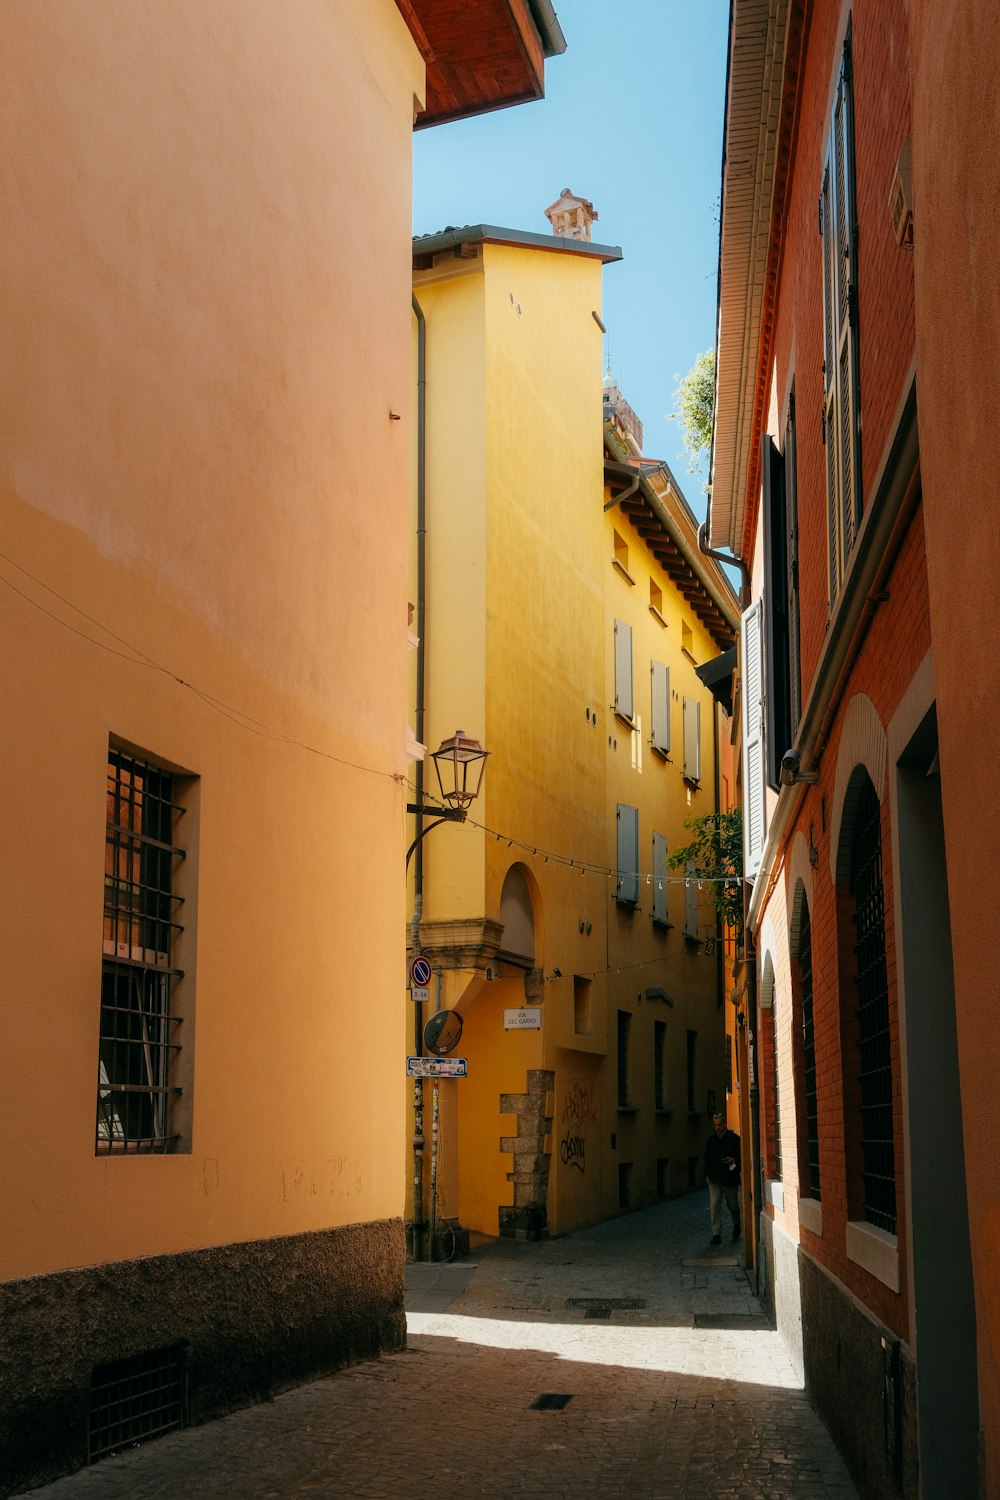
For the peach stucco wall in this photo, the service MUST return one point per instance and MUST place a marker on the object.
(205, 325)
(956, 54)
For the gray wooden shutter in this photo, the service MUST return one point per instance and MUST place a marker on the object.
(690, 903)
(624, 701)
(692, 739)
(753, 740)
(660, 706)
(841, 400)
(659, 878)
(627, 888)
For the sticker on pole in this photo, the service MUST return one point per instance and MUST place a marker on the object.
(437, 1067)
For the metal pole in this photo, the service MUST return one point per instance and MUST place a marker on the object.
(435, 1116)
(435, 1123)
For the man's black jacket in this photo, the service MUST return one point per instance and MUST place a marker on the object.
(718, 1147)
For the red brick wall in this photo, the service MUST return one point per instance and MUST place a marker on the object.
(896, 643)
(885, 274)
(899, 635)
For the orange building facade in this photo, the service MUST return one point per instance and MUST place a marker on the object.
(205, 427)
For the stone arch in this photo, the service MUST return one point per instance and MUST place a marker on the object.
(766, 949)
(520, 909)
(863, 752)
(800, 889)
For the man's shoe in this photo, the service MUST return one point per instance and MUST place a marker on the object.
(736, 1230)
(716, 1239)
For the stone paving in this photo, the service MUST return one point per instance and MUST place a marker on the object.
(677, 1388)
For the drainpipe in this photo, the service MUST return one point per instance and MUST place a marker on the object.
(416, 1247)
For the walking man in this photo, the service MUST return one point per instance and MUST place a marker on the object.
(722, 1172)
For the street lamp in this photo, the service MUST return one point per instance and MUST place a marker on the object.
(459, 763)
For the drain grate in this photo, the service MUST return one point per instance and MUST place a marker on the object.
(550, 1401)
(134, 1399)
(731, 1320)
(602, 1307)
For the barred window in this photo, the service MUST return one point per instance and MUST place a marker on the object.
(874, 1041)
(809, 1054)
(659, 1063)
(139, 1038)
(624, 1024)
(692, 1048)
(776, 1098)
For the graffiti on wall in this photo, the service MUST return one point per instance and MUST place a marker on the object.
(578, 1114)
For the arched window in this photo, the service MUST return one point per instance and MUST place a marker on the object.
(810, 1165)
(873, 1035)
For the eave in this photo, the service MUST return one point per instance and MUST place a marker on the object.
(462, 242)
(481, 55)
(766, 44)
(656, 509)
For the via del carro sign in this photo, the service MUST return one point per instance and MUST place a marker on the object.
(437, 1067)
(527, 1018)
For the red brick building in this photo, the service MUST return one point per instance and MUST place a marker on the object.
(835, 405)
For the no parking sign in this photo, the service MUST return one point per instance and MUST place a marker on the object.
(420, 978)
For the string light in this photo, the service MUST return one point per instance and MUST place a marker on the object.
(584, 866)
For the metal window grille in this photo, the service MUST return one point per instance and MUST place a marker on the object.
(776, 1097)
(138, 1040)
(692, 1045)
(729, 1063)
(659, 1059)
(874, 1042)
(624, 1023)
(809, 1054)
(132, 1400)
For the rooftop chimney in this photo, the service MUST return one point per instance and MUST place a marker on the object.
(571, 217)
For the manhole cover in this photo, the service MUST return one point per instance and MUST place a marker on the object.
(603, 1306)
(550, 1401)
(730, 1320)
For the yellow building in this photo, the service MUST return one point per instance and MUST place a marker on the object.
(582, 968)
(203, 677)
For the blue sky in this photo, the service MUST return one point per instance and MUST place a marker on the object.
(632, 120)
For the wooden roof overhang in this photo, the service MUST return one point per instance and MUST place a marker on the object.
(672, 551)
(766, 46)
(481, 54)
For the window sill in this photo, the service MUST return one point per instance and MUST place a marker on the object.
(623, 571)
(662, 923)
(876, 1250)
(811, 1215)
(628, 1109)
(774, 1193)
(657, 616)
(623, 718)
(663, 1114)
(660, 753)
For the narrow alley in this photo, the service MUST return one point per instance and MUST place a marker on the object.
(629, 1359)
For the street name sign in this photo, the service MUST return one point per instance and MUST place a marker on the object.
(437, 1067)
(527, 1018)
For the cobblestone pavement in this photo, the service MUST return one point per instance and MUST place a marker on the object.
(677, 1388)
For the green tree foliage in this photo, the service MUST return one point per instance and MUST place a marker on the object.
(694, 407)
(716, 854)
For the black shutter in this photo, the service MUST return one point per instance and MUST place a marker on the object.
(777, 677)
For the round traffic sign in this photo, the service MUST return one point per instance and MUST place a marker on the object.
(443, 1032)
(420, 971)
